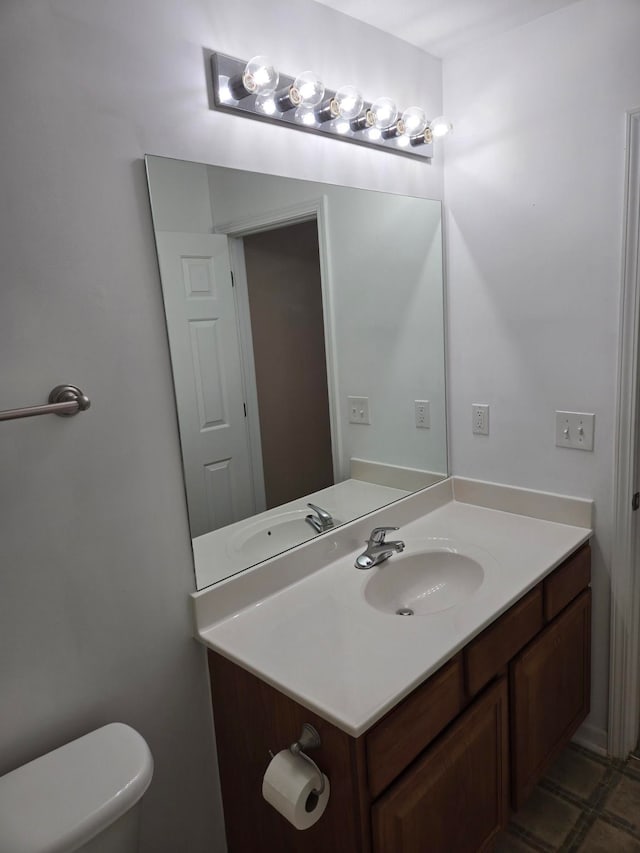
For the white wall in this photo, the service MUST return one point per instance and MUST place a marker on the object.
(534, 189)
(96, 562)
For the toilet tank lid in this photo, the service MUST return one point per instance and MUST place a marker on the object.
(64, 798)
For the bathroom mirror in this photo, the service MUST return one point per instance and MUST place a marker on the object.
(306, 332)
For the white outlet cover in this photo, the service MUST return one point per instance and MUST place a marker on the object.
(480, 418)
(575, 430)
(422, 409)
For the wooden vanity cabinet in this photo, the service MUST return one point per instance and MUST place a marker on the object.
(492, 650)
(252, 719)
(406, 731)
(550, 689)
(456, 797)
(435, 773)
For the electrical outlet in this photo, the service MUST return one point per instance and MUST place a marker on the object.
(358, 410)
(422, 413)
(480, 418)
(575, 429)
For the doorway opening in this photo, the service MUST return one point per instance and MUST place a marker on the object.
(280, 308)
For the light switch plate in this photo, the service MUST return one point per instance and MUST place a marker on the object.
(422, 413)
(359, 410)
(575, 430)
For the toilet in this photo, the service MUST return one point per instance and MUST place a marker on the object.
(82, 797)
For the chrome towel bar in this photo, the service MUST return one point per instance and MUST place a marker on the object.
(64, 400)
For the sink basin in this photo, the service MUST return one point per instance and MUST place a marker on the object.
(261, 539)
(426, 581)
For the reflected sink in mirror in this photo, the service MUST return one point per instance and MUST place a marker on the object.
(430, 580)
(273, 534)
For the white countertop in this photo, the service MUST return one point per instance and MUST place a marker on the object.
(322, 644)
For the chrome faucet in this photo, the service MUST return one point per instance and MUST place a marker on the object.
(321, 521)
(378, 549)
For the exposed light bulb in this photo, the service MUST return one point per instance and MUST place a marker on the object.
(347, 103)
(305, 115)
(395, 130)
(224, 94)
(403, 141)
(424, 138)
(384, 113)
(440, 126)
(310, 88)
(414, 121)
(260, 75)
(266, 103)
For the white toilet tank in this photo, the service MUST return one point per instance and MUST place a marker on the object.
(81, 797)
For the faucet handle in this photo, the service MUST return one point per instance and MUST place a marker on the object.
(378, 534)
(322, 514)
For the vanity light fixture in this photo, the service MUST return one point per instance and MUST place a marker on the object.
(256, 89)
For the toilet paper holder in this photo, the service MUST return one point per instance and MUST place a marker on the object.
(309, 739)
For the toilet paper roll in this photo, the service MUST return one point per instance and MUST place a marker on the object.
(288, 786)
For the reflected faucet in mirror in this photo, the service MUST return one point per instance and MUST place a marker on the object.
(321, 520)
(280, 340)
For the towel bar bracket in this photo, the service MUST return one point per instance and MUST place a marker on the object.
(64, 400)
(69, 394)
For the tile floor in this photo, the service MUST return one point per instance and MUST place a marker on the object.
(585, 803)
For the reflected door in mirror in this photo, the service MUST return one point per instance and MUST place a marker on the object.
(205, 354)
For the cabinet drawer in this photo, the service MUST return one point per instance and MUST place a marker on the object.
(493, 649)
(567, 582)
(454, 799)
(402, 735)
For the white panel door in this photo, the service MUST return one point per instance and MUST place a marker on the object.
(207, 369)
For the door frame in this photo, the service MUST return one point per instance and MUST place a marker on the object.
(624, 676)
(316, 208)
(241, 293)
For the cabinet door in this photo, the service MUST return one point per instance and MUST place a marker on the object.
(550, 687)
(454, 798)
